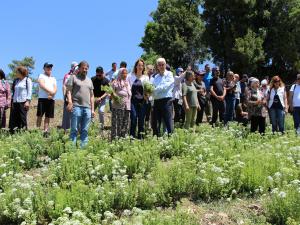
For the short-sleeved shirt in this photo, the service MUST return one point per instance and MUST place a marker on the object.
(296, 95)
(98, 86)
(190, 91)
(50, 83)
(218, 86)
(81, 88)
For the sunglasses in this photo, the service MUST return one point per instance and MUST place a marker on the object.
(276, 81)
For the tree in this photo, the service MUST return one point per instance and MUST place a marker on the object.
(282, 43)
(248, 53)
(28, 62)
(176, 33)
(150, 57)
(225, 21)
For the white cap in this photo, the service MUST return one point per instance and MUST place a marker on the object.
(264, 82)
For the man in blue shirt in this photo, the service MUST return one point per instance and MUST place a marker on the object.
(207, 79)
(163, 83)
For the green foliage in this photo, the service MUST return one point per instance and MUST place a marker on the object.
(248, 52)
(108, 182)
(254, 36)
(28, 62)
(175, 33)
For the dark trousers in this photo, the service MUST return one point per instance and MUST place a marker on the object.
(18, 117)
(201, 112)
(296, 117)
(147, 111)
(137, 119)
(163, 112)
(218, 109)
(179, 112)
(258, 122)
(2, 117)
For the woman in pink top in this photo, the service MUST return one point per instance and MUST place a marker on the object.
(121, 107)
(4, 98)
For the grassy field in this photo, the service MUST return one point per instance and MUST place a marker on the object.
(202, 176)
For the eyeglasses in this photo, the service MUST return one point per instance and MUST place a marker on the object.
(276, 81)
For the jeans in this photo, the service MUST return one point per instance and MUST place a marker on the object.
(137, 118)
(163, 112)
(229, 110)
(277, 119)
(296, 117)
(80, 119)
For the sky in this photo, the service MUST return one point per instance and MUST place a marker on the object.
(61, 31)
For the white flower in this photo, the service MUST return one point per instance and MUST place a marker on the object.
(108, 215)
(216, 169)
(50, 204)
(270, 179)
(282, 194)
(67, 210)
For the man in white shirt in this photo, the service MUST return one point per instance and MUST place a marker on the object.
(163, 83)
(46, 94)
(109, 75)
(294, 102)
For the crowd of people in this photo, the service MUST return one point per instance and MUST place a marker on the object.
(148, 98)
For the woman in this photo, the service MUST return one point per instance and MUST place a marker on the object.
(21, 95)
(120, 105)
(256, 103)
(200, 86)
(277, 104)
(230, 98)
(190, 100)
(4, 98)
(138, 100)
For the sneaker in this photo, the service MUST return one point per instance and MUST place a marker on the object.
(298, 131)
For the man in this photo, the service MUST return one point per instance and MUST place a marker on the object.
(163, 84)
(294, 102)
(237, 92)
(123, 64)
(200, 86)
(218, 93)
(81, 103)
(100, 96)
(148, 124)
(46, 95)
(177, 97)
(66, 121)
(207, 80)
(243, 84)
(109, 75)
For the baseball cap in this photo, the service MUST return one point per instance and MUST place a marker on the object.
(48, 65)
(178, 70)
(99, 69)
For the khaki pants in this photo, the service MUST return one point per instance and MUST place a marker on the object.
(190, 118)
